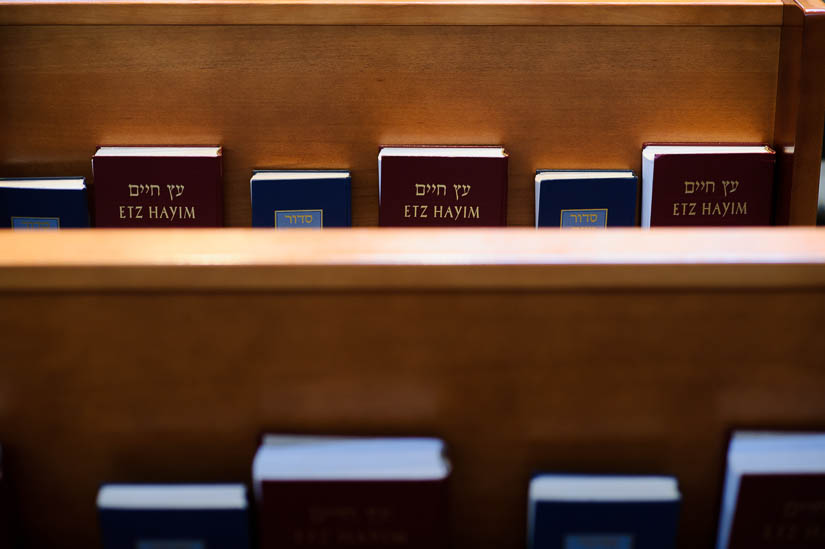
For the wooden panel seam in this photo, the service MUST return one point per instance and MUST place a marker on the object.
(520, 278)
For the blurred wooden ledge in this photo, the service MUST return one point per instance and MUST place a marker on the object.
(512, 259)
(393, 12)
(812, 7)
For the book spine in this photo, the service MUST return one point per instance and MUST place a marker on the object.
(504, 190)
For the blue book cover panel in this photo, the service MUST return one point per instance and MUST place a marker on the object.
(578, 200)
(300, 200)
(604, 525)
(174, 529)
(43, 203)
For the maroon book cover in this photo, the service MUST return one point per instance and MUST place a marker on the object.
(779, 512)
(442, 189)
(707, 189)
(5, 507)
(158, 187)
(368, 514)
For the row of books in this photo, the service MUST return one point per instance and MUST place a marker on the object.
(337, 492)
(682, 185)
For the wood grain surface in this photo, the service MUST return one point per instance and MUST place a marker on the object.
(162, 355)
(392, 12)
(175, 385)
(329, 96)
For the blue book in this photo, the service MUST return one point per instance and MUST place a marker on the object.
(287, 199)
(591, 198)
(169, 516)
(602, 512)
(43, 203)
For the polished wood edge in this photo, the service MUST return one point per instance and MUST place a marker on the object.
(379, 12)
(807, 146)
(788, 97)
(425, 259)
(812, 7)
(799, 114)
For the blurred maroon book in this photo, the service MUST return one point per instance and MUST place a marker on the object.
(351, 492)
(442, 186)
(779, 511)
(158, 187)
(369, 514)
(6, 510)
(707, 185)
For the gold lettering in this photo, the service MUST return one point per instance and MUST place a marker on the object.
(171, 213)
(684, 208)
(707, 187)
(416, 210)
(730, 186)
(815, 532)
(795, 508)
(174, 191)
(130, 212)
(441, 211)
(724, 209)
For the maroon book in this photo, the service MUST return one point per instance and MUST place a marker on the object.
(707, 185)
(351, 492)
(158, 187)
(6, 509)
(442, 186)
(779, 511)
(364, 514)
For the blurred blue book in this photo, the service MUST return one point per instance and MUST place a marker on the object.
(292, 199)
(588, 198)
(172, 516)
(43, 203)
(602, 512)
